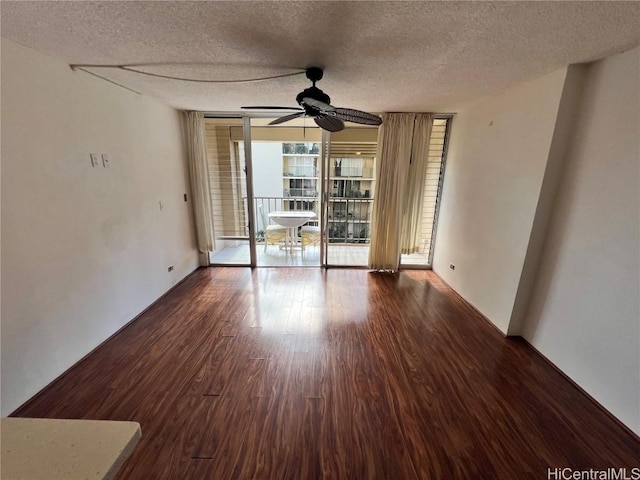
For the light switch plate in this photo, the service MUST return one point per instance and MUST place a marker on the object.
(95, 159)
(105, 160)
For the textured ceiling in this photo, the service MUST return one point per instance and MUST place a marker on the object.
(378, 56)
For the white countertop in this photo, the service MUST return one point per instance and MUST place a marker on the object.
(52, 449)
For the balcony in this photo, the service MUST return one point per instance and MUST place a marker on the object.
(348, 223)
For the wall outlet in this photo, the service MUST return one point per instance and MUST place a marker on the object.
(452, 266)
(95, 159)
(170, 268)
(105, 160)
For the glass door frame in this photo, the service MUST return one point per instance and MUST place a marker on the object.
(251, 213)
(246, 141)
(324, 183)
(248, 159)
(324, 197)
(251, 203)
(327, 183)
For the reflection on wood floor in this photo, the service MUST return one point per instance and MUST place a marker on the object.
(342, 374)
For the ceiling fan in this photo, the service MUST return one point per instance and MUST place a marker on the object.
(315, 103)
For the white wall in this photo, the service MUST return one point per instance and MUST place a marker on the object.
(560, 144)
(267, 175)
(585, 309)
(496, 162)
(267, 169)
(84, 249)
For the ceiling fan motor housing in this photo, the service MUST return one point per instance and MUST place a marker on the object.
(316, 94)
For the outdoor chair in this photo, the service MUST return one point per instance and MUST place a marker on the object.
(273, 234)
(309, 235)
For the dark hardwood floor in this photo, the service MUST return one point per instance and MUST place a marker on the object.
(338, 374)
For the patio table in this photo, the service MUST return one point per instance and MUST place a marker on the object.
(291, 219)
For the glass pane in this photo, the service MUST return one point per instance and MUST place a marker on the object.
(432, 186)
(352, 166)
(286, 189)
(227, 181)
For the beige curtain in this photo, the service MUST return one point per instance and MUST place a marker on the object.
(414, 194)
(393, 155)
(403, 140)
(200, 191)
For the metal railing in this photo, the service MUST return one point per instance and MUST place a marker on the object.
(348, 222)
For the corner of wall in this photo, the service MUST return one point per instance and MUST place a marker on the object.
(560, 143)
(583, 309)
(496, 164)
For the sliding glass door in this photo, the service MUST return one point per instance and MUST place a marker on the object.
(350, 185)
(431, 197)
(228, 164)
(295, 195)
(287, 180)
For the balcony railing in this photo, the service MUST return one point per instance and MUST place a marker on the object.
(301, 171)
(349, 219)
(301, 192)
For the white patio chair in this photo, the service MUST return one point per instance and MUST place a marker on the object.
(309, 235)
(273, 234)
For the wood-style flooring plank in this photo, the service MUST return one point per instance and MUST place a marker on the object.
(338, 374)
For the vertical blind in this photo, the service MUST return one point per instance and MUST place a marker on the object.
(432, 182)
(226, 164)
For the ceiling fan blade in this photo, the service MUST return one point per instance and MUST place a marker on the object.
(270, 108)
(331, 124)
(357, 116)
(286, 118)
(318, 105)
